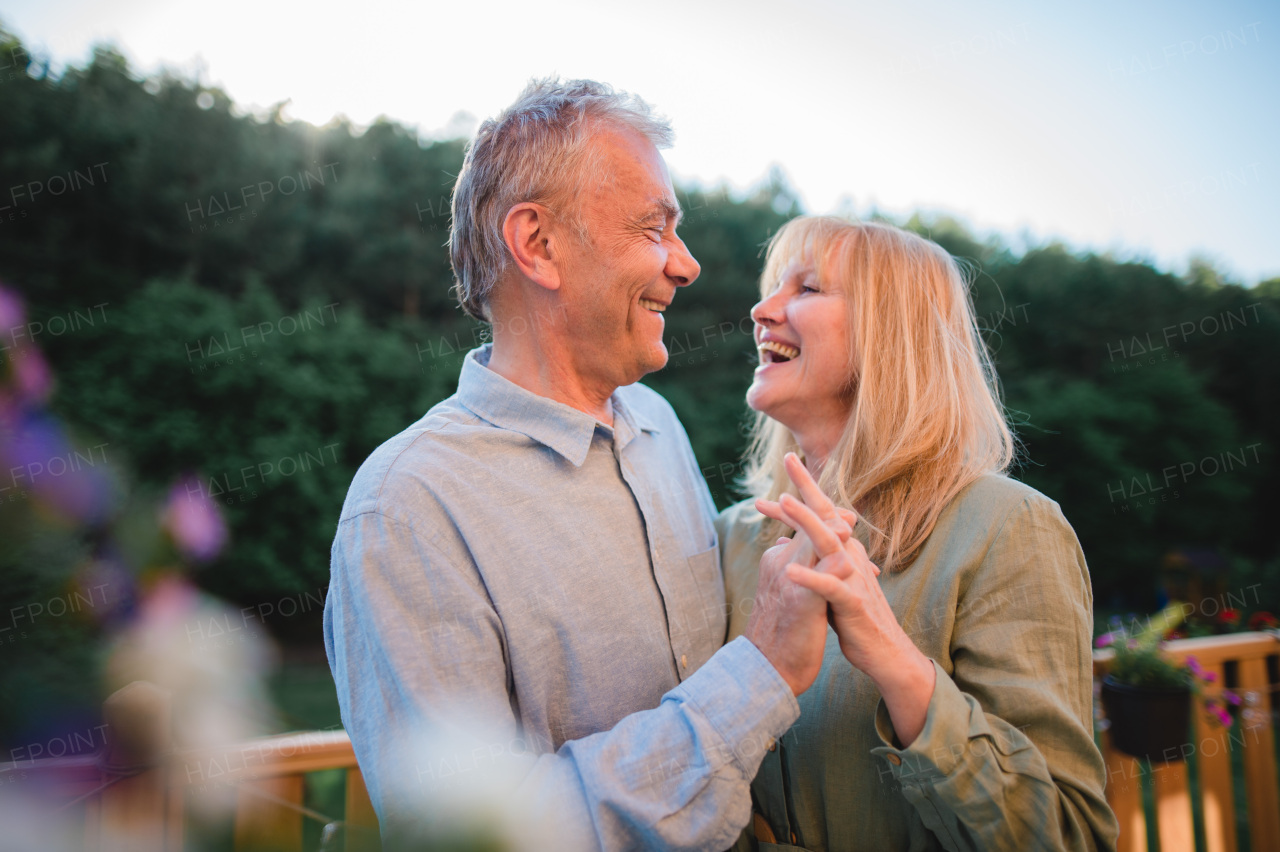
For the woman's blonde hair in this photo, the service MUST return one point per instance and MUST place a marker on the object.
(926, 418)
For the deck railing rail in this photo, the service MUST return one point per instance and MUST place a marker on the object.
(1246, 663)
(125, 802)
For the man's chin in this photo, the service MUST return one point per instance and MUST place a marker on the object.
(651, 362)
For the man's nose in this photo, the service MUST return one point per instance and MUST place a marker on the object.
(681, 266)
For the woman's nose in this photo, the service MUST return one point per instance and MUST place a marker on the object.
(767, 311)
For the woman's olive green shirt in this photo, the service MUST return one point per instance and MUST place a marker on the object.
(1000, 599)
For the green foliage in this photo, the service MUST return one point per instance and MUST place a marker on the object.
(272, 409)
(1138, 660)
(1113, 371)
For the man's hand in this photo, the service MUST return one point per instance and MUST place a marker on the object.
(789, 623)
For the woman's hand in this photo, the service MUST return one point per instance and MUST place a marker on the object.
(789, 622)
(840, 521)
(870, 636)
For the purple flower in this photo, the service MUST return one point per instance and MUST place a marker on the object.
(12, 314)
(33, 377)
(1232, 697)
(193, 521)
(72, 481)
(1194, 665)
(1104, 640)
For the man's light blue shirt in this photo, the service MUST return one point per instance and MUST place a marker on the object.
(513, 560)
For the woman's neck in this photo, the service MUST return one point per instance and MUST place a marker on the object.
(816, 442)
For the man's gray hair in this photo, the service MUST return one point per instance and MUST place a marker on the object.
(535, 150)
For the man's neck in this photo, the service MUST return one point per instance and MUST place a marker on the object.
(542, 363)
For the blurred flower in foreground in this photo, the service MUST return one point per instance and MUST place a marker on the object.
(73, 483)
(461, 784)
(193, 521)
(25, 378)
(12, 314)
(217, 688)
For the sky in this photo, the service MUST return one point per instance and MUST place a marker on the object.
(1146, 130)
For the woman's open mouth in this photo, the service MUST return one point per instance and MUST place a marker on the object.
(773, 352)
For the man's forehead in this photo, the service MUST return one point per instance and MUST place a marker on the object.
(635, 163)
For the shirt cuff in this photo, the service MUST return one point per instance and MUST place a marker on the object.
(744, 699)
(935, 753)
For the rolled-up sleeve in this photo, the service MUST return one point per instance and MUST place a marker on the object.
(414, 641)
(1006, 759)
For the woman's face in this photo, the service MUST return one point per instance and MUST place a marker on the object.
(803, 342)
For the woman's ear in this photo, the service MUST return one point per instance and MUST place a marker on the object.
(527, 233)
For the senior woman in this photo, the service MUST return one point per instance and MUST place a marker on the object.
(954, 706)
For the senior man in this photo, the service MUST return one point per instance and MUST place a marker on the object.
(538, 551)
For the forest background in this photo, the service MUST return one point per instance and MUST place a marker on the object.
(256, 304)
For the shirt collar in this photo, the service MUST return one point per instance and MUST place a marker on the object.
(566, 430)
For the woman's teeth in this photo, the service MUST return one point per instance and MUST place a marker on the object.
(652, 306)
(773, 346)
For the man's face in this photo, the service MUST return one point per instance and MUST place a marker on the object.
(618, 284)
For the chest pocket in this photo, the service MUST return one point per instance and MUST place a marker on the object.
(704, 568)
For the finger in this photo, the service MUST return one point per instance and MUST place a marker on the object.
(770, 509)
(849, 516)
(809, 490)
(830, 588)
(838, 565)
(859, 554)
(802, 518)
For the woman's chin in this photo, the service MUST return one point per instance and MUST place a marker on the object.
(758, 399)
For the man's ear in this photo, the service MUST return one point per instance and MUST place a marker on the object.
(527, 233)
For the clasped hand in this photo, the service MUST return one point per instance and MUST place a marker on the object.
(823, 575)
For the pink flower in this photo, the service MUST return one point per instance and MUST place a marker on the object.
(1104, 640)
(193, 521)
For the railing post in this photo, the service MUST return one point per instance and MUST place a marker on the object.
(131, 813)
(1259, 755)
(361, 819)
(1124, 794)
(1213, 760)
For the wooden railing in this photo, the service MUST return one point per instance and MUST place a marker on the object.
(122, 809)
(1240, 662)
(261, 783)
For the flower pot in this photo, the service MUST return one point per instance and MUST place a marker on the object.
(1148, 721)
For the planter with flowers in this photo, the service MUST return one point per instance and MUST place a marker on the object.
(1148, 698)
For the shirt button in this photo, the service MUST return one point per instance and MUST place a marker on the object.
(684, 661)
(894, 759)
(773, 744)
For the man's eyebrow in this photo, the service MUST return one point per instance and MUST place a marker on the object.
(665, 209)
